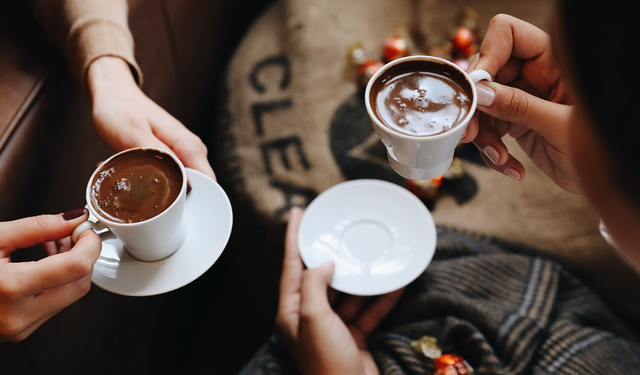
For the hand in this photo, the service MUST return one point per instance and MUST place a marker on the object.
(125, 117)
(32, 292)
(528, 100)
(321, 340)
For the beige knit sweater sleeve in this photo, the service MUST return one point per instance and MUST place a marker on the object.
(87, 29)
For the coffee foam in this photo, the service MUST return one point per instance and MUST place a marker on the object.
(421, 98)
(136, 186)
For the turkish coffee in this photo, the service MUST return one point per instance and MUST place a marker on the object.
(421, 98)
(136, 186)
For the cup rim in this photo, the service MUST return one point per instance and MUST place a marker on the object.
(109, 222)
(459, 128)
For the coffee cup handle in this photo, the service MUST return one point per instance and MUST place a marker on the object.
(480, 75)
(102, 231)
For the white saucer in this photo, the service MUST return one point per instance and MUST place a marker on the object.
(379, 235)
(208, 219)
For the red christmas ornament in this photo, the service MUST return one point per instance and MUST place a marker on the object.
(427, 189)
(449, 364)
(395, 47)
(463, 42)
(444, 364)
(367, 69)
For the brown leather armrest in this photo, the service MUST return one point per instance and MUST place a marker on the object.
(21, 78)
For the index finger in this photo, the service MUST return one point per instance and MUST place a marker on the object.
(186, 145)
(509, 37)
(292, 265)
(378, 310)
(30, 231)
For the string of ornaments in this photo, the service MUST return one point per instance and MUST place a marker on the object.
(459, 49)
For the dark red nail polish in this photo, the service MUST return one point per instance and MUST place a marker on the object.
(74, 214)
(188, 187)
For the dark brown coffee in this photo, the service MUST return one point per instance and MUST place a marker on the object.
(421, 98)
(136, 186)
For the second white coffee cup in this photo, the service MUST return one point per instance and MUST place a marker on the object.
(423, 157)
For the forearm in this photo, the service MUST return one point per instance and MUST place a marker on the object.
(87, 29)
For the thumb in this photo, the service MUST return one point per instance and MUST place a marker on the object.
(314, 301)
(35, 230)
(514, 105)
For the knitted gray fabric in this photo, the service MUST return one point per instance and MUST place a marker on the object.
(506, 309)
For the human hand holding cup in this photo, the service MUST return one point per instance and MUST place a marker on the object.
(421, 120)
(138, 196)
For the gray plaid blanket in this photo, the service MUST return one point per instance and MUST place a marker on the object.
(507, 309)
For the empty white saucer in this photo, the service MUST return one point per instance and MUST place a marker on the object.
(208, 219)
(379, 235)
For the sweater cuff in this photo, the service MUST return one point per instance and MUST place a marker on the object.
(95, 38)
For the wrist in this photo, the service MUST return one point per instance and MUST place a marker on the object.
(106, 71)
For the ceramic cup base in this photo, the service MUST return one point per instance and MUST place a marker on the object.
(418, 174)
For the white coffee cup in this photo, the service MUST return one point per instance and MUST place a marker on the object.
(423, 157)
(149, 240)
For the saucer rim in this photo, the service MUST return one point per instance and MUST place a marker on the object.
(226, 235)
(431, 246)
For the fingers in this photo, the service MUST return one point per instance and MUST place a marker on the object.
(516, 106)
(50, 247)
(378, 310)
(64, 244)
(125, 117)
(292, 266)
(472, 129)
(350, 307)
(314, 301)
(195, 159)
(489, 140)
(144, 137)
(43, 306)
(511, 167)
(187, 146)
(38, 290)
(61, 269)
(120, 128)
(289, 302)
(35, 230)
(26, 332)
(509, 37)
(57, 246)
(509, 72)
(54, 300)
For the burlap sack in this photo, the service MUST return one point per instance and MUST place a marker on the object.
(295, 124)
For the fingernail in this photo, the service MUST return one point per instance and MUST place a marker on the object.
(327, 264)
(512, 173)
(492, 154)
(486, 95)
(74, 214)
